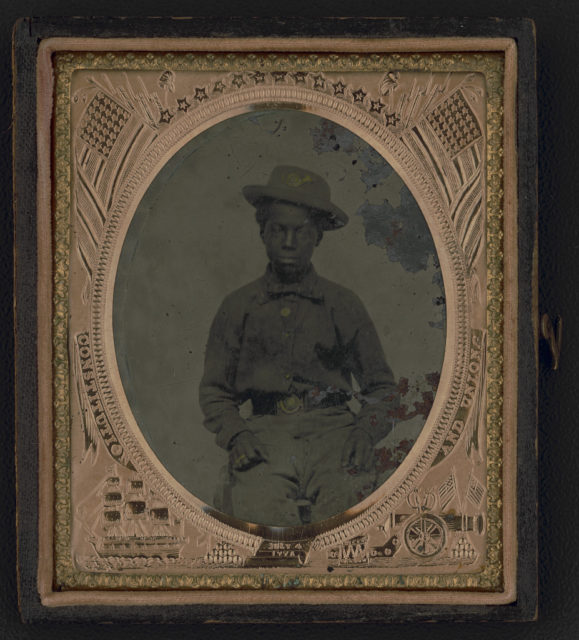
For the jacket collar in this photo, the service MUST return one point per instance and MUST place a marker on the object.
(308, 287)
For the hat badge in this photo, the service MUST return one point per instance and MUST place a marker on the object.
(295, 180)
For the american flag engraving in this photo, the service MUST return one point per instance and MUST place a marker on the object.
(449, 141)
(454, 123)
(475, 491)
(102, 123)
(447, 490)
(109, 137)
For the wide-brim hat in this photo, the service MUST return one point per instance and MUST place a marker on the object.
(301, 187)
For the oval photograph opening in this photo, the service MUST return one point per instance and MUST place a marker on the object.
(279, 318)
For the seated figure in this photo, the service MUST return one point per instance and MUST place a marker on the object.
(292, 343)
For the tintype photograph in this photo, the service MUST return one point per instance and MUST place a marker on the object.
(241, 322)
(278, 362)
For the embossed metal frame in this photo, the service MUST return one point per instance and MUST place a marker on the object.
(495, 584)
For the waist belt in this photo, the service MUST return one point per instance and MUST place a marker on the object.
(287, 404)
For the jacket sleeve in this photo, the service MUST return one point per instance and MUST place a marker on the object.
(217, 395)
(379, 397)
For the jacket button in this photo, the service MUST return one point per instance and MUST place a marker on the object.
(285, 312)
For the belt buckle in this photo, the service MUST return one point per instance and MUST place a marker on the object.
(290, 405)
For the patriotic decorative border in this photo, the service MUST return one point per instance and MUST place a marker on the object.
(435, 129)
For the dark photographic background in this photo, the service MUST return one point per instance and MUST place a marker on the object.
(558, 49)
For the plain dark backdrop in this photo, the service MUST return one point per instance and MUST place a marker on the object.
(557, 25)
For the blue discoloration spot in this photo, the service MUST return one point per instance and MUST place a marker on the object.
(402, 231)
(330, 137)
(376, 168)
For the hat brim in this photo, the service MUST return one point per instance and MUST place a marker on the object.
(330, 216)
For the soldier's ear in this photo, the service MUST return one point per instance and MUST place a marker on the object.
(315, 220)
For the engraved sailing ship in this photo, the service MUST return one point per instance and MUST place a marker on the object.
(132, 522)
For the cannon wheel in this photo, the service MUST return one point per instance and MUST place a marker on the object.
(425, 536)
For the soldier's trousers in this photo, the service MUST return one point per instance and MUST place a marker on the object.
(302, 481)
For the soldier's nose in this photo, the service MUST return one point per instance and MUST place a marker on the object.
(289, 241)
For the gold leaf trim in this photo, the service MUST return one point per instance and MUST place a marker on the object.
(490, 577)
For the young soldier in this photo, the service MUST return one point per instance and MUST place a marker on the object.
(291, 342)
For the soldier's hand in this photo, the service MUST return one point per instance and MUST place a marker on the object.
(357, 451)
(246, 451)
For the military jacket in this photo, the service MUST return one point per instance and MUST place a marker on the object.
(313, 337)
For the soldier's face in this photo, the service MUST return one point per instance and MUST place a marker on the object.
(290, 237)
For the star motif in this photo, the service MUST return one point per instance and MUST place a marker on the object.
(359, 95)
(184, 104)
(300, 77)
(238, 80)
(166, 116)
(376, 106)
(218, 87)
(339, 88)
(200, 94)
(319, 82)
(279, 76)
(391, 119)
(258, 77)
